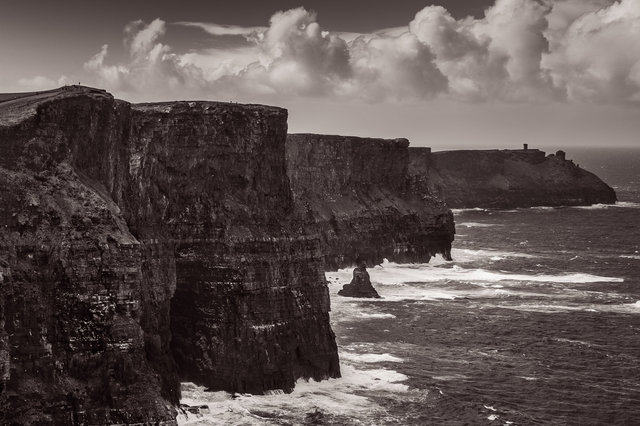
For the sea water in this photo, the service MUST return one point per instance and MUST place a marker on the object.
(535, 321)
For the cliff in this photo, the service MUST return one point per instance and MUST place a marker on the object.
(505, 179)
(146, 244)
(355, 193)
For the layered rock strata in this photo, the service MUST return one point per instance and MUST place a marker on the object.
(505, 179)
(356, 194)
(123, 225)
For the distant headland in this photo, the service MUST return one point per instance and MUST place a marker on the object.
(507, 178)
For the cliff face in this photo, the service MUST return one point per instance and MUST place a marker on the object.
(506, 179)
(123, 225)
(250, 312)
(84, 319)
(355, 194)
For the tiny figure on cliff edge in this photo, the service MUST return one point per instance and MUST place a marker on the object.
(360, 285)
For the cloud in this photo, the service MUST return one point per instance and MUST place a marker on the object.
(40, 82)
(520, 51)
(298, 57)
(596, 55)
(497, 57)
(394, 67)
(151, 66)
(224, 30)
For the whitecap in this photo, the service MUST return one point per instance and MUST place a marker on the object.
(618, 204)
(392, 274)
(553, 308)
(375, 315)
(542, 208)
(469, 255)
(477, 224)
(473, 209)
(630, 256)
(368, 358)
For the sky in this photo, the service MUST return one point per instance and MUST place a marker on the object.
(449, 74)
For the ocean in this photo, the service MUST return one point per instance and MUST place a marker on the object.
(535, 321)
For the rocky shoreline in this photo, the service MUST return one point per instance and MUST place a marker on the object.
(145, 245)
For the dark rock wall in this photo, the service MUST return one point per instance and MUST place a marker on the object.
(251, 307)
(75, 284)
(105, 209)
(506, 179)
(355, 193)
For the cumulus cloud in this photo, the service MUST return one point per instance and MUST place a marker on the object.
(398, 67)
(151, 65)
(299, 57)
(521, 50)
(494, 57)
(596, 55)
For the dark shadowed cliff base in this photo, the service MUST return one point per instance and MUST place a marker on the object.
(506, 179)
(125, 225)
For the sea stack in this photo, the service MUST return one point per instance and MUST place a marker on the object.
(360, 285)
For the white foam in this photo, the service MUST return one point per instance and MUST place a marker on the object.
(618, 204)
(347, 396)
(630, 256)
(368, 358)
(448, 377)
(427, 282)
(553, 308)
(375, 315)
(474, 209)
(542, 208)
(477, 224)
(347, 309)
(392, 274)
(469, 255)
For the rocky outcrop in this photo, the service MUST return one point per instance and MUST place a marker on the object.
(355, 193)
(360, 285)
(124, 225)
(505, 179)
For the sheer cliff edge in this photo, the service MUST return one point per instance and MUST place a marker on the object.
(142, 245)
(356, 193)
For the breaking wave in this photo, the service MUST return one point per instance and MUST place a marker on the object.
(392, 273)
(336, 401)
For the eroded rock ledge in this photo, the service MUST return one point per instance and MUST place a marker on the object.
(357, 194)
(122, 225)
(505, 179)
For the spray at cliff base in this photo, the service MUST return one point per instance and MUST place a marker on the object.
(536, 321)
